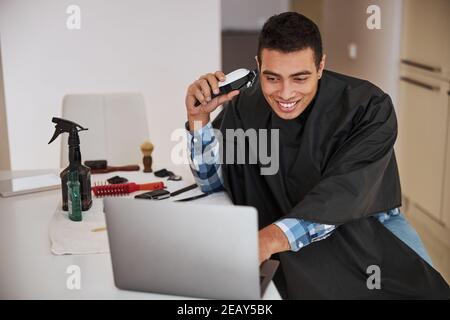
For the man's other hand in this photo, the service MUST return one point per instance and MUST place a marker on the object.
(271, 240)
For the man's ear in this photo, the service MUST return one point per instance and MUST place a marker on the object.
(321, 66)
(322, 63)
(257, 62)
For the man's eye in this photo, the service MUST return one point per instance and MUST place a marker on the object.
(271, 78)
(300, 79)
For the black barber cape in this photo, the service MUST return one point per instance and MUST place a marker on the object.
(336, 166)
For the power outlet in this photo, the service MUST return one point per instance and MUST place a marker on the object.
(352, 50)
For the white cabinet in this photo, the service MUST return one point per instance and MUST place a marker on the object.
(423, 139)
(423, 144)
(426, 39)
(446, 193)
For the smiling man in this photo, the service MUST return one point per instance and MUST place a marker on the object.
(330, 214)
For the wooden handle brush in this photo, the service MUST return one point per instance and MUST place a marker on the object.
(101, 166)
(116, 168)
(109, 190)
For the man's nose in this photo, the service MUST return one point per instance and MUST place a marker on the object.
(286, 92)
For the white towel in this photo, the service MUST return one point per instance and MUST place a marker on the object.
(70, 237)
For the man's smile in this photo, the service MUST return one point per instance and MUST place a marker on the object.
(287, 106)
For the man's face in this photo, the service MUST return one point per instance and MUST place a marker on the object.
(289, 81)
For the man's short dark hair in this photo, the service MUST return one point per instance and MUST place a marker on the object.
(288, 32)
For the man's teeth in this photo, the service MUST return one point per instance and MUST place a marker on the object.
(287, 105)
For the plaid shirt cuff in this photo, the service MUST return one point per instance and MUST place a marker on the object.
(300, 233)
(204, 134)
(383, 216)
(204, 158)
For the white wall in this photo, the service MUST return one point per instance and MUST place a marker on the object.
(4, 147)
(155, 47)
(378, 57)
(250, 14)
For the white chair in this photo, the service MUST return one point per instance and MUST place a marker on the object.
(117, 126)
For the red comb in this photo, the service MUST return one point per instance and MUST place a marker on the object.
(124, 188)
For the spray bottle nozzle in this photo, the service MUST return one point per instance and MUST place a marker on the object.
(63, 125)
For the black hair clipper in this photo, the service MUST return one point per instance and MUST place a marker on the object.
(236, 80)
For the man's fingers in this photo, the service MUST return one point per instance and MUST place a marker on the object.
(199, 95)
(220, 75)
(213, 82)
(206, 90)
(232, 94)
(220, 100)
(190, 100)
(227, 97)
(211, 106)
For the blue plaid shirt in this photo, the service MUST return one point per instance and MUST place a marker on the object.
(204, 156)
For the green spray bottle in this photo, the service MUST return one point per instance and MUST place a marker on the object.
(74, 196)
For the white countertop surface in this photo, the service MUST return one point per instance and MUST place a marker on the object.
(28, 270)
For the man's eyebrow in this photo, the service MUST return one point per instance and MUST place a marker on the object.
(300, 73)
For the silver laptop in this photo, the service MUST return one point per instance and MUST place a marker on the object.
(191, 250)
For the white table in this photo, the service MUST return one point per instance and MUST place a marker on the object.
(28, 270)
